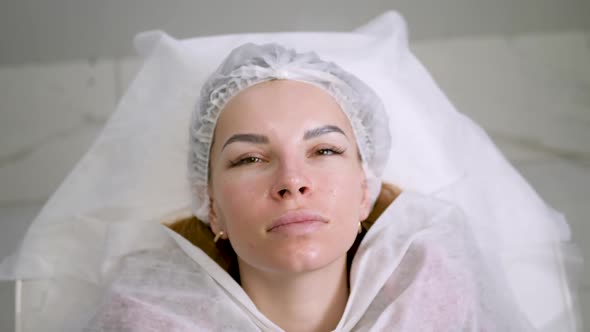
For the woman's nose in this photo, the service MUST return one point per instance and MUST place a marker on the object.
(291, 182)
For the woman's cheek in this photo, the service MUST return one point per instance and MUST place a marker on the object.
(343, 187)
(241, 193)
(339, 176)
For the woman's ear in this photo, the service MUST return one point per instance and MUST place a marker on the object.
(365, 206)
(213, 222)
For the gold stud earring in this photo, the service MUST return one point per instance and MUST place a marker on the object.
(218, 236)
(360, 228)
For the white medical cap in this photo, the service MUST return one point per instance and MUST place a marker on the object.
(251, 64)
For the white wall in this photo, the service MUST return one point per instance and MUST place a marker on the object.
(530, 92)
(57, 30)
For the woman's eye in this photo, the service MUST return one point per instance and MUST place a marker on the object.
(329, 151)
(246, 160)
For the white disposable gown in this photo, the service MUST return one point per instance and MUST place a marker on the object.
(417, 269)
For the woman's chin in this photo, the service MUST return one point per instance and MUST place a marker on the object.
(303, 259)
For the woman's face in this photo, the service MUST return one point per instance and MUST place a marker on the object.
(286, 186)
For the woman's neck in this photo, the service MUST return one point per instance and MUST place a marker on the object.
(310, 301)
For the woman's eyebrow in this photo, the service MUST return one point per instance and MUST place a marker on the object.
(262, 139)
(322, 131)
(250, 138)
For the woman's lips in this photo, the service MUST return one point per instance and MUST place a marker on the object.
(300, 221)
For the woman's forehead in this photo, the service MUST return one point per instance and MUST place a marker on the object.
(289, 105)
